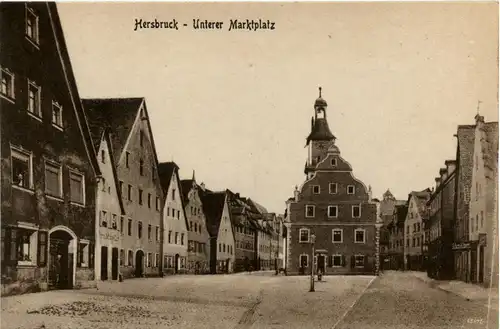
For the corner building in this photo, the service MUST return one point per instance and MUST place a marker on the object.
(334, 206)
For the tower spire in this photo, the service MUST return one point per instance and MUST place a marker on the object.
(478, 103)
(320, 92)
(193, 175)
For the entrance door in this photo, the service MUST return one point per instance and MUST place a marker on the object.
(104, 263)
(481, 264)
(473, 265)
(139, 263)
(176, 263)
(60, 273)
(114, 264)
(321, 263)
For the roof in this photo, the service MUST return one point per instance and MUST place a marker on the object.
(117, 114)
(213, 206)
(465, 149)
(421, 198)
(257, 207)
(165, 172)
(68, 70)
(106, 135)
(320, 131)
(401, 212)
(186, 186)
(490, 146)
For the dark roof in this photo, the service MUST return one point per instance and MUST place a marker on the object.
(79, 111)
(117, 114)
(186, 186)
(115, 173)
(421, 198)
(401, 212)
(213, 206)
(165, 171)
(320, 131)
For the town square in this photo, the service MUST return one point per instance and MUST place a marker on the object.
(336, 170)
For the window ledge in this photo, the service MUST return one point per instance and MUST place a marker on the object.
(337, 241)
(82, 205)
(57, 198)
(25, 263)
(58, 127)
(33, 42)
(33, 115)
(8, 98)
(304, 242)
(23, 189)
(359, 242)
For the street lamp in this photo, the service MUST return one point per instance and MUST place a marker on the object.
(313, 240)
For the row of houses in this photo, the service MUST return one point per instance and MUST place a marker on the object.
(450, 230)
(84, 196)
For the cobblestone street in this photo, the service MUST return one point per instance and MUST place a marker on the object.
(394, 300)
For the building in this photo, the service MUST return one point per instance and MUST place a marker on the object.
(438, 225)
(49, 169)
(198, 237)
(175, 223)
(387, 206)
(137, 169)
(483, 232)
(220, 229)
(245, 231)
(396, 237)
(461, 244)
(414, 235)
(109, 254)
(334, 207)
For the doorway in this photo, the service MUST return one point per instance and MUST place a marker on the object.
(61, 261)
(176, 263)
(114, 264)
(321, 263)
(481, 264)
(104, 263)
(139, 263)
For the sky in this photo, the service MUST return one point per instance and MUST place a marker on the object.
(236, 106)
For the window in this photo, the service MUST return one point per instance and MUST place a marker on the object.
(315, 189)
(413, 242)
(350, 189)
(359, 261)
(333, 162)
(169, 236)
(173, 194)
(309, 211)
(103, 160)
(127, 159)
(77, 184)
(304, 235)
(122, 257)
(26, 245)
(178, 214)
(157, 233)
(149, 200)
(53, 179)
(149, 231)
(21, 163)
(150, 257)
(83, 256)
(130, 258)
(337, 260)
(482, 219)
(141, 167)
(142, 138)
(34, 99)
(57, 115)
(359, 235)
(104, 218)
(129, 228)
(157, 260)
(333, 211)
(7, 88)
(304, 260)
(157, 203)
(121, 224)
(176, 238)
(140, 196)
(356, 211)
(337, 236)
(182, 239)
(139, 230)
(333, 188)
(129, 193)
(196, 227)
(104, 184)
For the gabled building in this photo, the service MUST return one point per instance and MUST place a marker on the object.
(220, 229)
(137, 169)
(386, 211)
(110, 226)
(49, 169)
(198, 237)
(396, 238)
(414, 234)
(483, 231)
(438, 225)
(333, 206)
(175, 244)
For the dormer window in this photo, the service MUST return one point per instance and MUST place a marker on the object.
(315, 189)
(333, 162)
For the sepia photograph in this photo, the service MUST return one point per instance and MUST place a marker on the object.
(249, 165)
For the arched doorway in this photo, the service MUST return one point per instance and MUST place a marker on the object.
(62, 258)
(139, 263)
(177, 261)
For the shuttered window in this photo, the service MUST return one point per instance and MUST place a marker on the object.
(53, 179)
(42, 248)
(76, 182)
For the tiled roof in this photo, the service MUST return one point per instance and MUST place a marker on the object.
(320, 131)
(165, 171)
(117, 114)
(401, 212)
(186, 186)
(213, 206)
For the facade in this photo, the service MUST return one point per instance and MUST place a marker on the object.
(49, 170)
(335, 207)
(109, 254)
(137, 170)
(387, 206)
(414, 234)
(396, 237)
(175, 244)
(198, 237)
(483, 231)
(220, 229)
(461, 245)
(439, 227)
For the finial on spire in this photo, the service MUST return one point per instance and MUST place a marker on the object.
(193, 174)
(319, 91)
(478, 103)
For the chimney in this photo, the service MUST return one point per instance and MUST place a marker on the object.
(450, 166)
(202, 185)
(296, 194)
(438, 182)
(237, 195)
(443, 173)
(479, 119)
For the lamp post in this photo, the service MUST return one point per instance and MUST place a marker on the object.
(313, 240)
